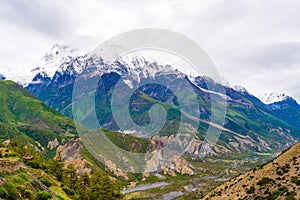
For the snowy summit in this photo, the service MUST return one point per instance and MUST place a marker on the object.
(269, 98)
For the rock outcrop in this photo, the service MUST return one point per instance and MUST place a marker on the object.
(70, 154)
(53, 144)
(163, 159)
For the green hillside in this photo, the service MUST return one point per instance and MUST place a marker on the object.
(24, 117)
(40, 179)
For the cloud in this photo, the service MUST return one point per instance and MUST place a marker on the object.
(253, 43)
(40, 16)
(261, 68)
(271, 56)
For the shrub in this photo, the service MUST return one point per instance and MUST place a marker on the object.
(43, 195)
(283, 189)
(296, 180)
(279, 172)
(34, 164)
(290, 195)
(45, 181)
(68, 190)
(11, 189)
(265, 180)
(3, 193)
(28, 194)
(273, 195)
(290, 198)
(250, 190)
(24, 176)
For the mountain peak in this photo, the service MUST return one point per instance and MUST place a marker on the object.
(58, 50)
(59, 47)
(57, 59)
(145, 67)
(240, 89)
(273, 97)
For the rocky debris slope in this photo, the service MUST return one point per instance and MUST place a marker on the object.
(278, 179)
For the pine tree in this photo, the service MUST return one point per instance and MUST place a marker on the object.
(102, 188)
(56, 168)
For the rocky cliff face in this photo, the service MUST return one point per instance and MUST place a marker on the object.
(70, 154)
(163, 159)
(158, 159)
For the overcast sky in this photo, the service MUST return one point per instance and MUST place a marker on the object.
(252, 43)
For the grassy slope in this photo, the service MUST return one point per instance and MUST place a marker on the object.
(25, 117)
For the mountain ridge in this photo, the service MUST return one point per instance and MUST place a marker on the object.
(54, 91)
(61, 54)
(246, 113)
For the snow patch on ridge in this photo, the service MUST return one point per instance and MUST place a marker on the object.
(273, 97)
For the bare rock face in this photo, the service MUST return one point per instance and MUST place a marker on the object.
(162, 159)
(70, 154)
(193, 147)
(53, 144)
(6, 142)
(112, 167)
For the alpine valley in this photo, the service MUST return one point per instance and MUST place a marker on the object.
(38, 111)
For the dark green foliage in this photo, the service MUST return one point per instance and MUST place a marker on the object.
(3, 193)
(283, 169)
(68, 190)
(127, 142)
(296, 180)
(265, 180)
(283, 189)
(28, 194)
(34, 164)
(45, 181)
(21, 184)
(56, 168)
(273, 195)
(11, 190)
(43, 195)
(291, 195)
(84, 187)
(250, 190)
(101, 187)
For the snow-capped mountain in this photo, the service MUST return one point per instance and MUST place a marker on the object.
(239, 88)
(273, 97)
(62, 58)
(52, 81)
(57, 60)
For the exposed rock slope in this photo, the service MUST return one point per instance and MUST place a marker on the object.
(278, 179)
